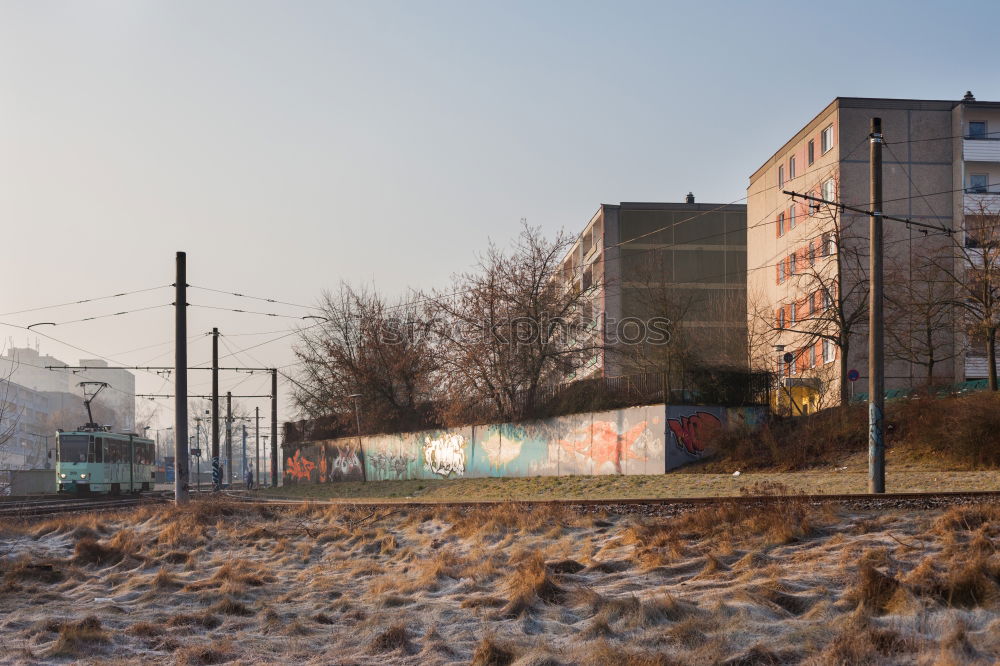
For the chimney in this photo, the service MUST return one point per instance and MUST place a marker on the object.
(689, 198)
(968, 97)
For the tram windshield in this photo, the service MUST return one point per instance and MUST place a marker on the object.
(73, 448)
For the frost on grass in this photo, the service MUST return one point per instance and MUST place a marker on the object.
(221, 583)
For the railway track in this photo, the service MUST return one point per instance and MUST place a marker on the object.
(26, 508)
(655, 505)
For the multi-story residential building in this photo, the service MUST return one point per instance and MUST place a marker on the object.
(115, 406)
(808, 262)
(24, 442)
(680, 264)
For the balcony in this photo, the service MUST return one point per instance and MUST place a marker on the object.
(982, 200)
(981, 149)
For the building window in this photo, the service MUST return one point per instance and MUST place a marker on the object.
(826, 139)
(781, 317)
(812, 356)
(791, 168)
(829, 245)
(811, 152)
(781, 224)
(791, 216)
(829, 351)
(791, 264)
(792, 312)
(977, 129)
(827, 301)
(781, 272)
(829, 190)
(811, 254)
(781, 175)
(979, 183)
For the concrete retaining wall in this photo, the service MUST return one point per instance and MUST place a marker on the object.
(636, 440)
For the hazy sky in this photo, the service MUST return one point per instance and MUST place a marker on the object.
(289, 145)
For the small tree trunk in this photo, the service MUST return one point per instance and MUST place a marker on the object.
(991, 357)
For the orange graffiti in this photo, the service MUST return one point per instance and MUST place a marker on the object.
(299, 467)
(601, 443)
(322, 465)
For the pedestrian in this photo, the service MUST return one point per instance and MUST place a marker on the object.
(249, 483)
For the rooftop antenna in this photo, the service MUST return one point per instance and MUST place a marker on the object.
(89, 398)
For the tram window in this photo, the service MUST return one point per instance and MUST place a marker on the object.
(73, 448)
(98, 449)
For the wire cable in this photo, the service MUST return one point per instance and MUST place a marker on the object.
(256, 298)
(85, 300)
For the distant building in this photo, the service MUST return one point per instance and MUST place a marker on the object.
(941, 160)
(680, 263)
(44, 399)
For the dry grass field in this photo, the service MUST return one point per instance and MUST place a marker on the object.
(220, 583)
(847, 479)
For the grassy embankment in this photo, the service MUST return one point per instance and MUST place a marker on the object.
(932, 445)
(214, 582)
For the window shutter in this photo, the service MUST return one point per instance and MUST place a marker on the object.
(819, 352)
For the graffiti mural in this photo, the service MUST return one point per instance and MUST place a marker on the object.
(637, 440)
(325, 462)
(298, 467)
(445, 455)
(386, 464)
(692, 431)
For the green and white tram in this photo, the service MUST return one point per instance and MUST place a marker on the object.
(96, 460)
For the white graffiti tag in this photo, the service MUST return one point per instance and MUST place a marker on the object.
(445, 455)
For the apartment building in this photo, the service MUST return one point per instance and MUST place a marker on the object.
(669, 282)
(808, 261)
(116, 405)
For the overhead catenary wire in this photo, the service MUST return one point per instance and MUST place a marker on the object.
(84, 300)
(256, 298)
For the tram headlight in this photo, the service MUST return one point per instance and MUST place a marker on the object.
(83, 476)
(62, 476)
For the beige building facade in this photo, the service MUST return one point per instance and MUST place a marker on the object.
(808, 261)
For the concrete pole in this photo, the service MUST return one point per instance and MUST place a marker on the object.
(876, 362)
(181, 472)
(216, 466)
(274, 427)
(229, 438)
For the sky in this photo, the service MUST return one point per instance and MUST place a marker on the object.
(287, 146)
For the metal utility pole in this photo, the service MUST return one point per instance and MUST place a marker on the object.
(181, 472)
(244, 466)
(274, 427)
(216, 468)
(876, 363)
(256, 446)
(229, 437)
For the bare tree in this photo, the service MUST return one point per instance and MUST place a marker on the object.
(369, 347)
(974, 271)
(920, 317)
(515, 324)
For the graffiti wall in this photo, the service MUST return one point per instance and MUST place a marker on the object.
(325, 461)
(637, 440)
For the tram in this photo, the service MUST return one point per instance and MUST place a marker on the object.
(96, 460)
